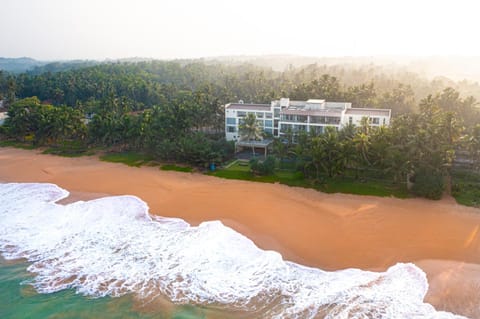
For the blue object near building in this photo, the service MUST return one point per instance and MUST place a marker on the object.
(212, 166)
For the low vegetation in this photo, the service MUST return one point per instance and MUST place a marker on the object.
(466, 187)
(16, 144)
(177, 168)
(128, 158)
(242, 170)
(70, 149)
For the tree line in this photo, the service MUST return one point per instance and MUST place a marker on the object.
(174, 111)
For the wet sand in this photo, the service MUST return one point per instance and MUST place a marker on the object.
(321, 230)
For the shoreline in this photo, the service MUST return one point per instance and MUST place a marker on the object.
(328, 231)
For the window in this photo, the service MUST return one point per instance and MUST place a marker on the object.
(268, 130)
(284, 127)
(231, 121)
(350, 120)
(316, 130)
(276, 112)
(374, 120)
(317, 119)
(301, 118)
(231, 129)
(332, 120)
(259, 115)
(297, 128)
(241, 113)
(383, 121)
(260, 123)
(288, 118)
(268, 123)
(268, 115)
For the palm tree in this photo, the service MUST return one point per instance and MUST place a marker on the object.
(250, 130)
(473, 146)
(365, 125)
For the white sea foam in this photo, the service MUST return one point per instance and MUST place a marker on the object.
(112, 246)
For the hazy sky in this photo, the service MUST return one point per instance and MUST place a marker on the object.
(99, 29)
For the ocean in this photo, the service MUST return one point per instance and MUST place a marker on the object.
(109, 258)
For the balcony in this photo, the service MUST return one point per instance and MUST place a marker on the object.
(294, 118)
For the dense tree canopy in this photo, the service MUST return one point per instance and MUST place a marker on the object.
(174, 111)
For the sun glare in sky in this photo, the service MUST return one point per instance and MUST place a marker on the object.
(99, 29)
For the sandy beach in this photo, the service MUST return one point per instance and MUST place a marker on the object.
(322, 230)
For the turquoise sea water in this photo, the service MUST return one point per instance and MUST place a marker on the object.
(19, 300)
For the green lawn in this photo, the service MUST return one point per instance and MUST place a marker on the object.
(16, 144)
(241, 171)
(128, 158)
(67, 149)
(70, 149)
(173, 167)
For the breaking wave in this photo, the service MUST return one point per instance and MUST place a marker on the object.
(111, 246)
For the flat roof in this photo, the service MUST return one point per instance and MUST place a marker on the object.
(368, 112)
(256, 107)
(319, 112)
(316, 101)
(342, 105)
(262, 143)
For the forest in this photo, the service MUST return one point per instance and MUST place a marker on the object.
(173, 111)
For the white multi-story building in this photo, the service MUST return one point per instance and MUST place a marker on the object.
(313, 115)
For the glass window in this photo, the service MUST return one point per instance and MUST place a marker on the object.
(284, 127)
(276, 112)
(268, 115)
(259, 115)
(241, 113)
(231, 120)
(231, 129)
(317, 119)
(301, 118)
(268, 123)
(297, 127)
(332, 120)
(350, 120)
(268, 130)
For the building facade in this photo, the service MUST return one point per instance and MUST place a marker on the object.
(311, 116)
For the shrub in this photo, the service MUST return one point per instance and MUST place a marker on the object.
(428, 184)
(265, 167)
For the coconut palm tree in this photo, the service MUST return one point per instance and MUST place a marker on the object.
(250, 130)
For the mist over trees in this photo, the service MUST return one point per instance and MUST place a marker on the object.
(174, 111)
